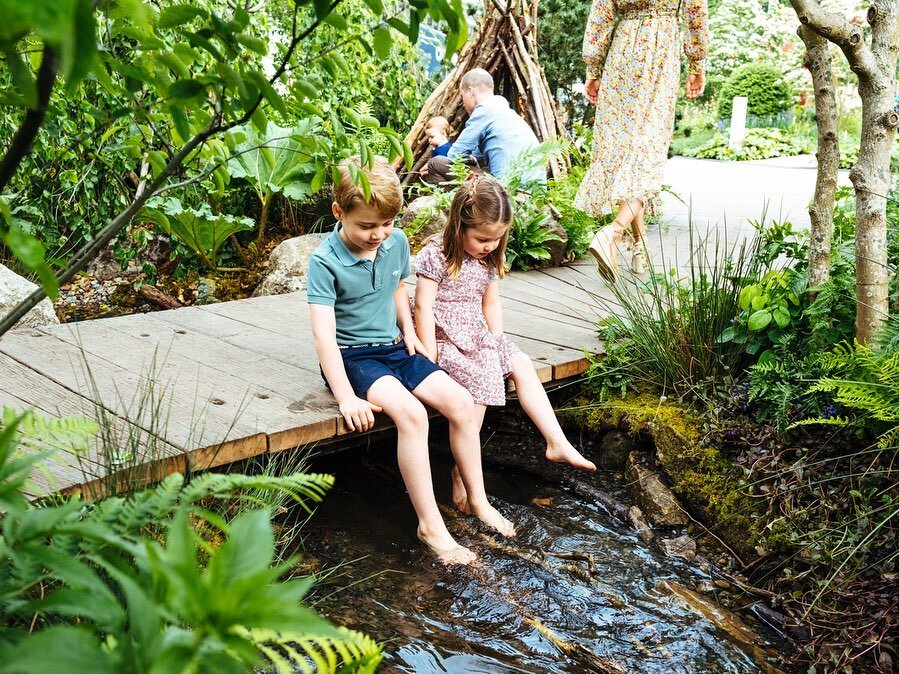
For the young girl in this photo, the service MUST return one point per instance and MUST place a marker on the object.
(458, 315)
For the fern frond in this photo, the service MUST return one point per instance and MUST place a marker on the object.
(319, 654)
(71, 433)
(300, 486)
(131, 514)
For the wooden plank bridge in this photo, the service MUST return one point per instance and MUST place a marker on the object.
(199, 387)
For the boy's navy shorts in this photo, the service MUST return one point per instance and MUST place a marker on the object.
(364, 365)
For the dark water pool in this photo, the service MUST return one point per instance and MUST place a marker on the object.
(519, 609)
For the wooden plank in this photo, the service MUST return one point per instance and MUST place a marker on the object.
(294, 402)
(255, 408)
(518, 290)
(33, 391)
(64, 363)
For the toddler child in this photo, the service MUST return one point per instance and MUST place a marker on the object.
(370, 355)
(438, 131)
(459, 318)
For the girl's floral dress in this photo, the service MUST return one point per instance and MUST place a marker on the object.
(478, 359)
(638, 63)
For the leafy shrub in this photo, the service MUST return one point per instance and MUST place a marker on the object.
(763, 84)
(119, 586)
(578, 225)
(761, 143)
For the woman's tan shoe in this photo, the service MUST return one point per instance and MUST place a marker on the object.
(604, 250)
(640, 258)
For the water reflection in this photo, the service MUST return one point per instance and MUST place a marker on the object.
(520, 609)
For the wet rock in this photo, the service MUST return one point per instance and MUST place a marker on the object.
(288, 265)
(206, 292)
(682, 546)
(652, 496)
(614, 449)
(638, 521)
(14, 289)
(557, 247)
(105, 266)
(725, 620)
(423, 217)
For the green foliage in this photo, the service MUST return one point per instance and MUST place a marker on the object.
(122, 587)
(760, 143)
(559, 41)
(148, 95)
(673, 322)
(529, 238)
(763, 84)
(579, 226)
(200, 229)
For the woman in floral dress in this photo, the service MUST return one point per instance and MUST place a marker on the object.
(633, 72)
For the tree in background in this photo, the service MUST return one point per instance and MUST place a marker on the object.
(560, 33)
(872, 55)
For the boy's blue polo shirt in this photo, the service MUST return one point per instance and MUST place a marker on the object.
(361, 291)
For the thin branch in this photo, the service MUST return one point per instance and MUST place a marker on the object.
(20, 146)
(839, 30)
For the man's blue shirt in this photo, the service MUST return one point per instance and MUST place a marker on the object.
(495, 132)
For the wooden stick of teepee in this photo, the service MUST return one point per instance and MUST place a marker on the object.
(505, 45)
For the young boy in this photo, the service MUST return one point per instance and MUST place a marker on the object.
(371, 357)
(438, 130)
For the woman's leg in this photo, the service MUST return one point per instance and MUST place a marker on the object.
(411, 421)
(460, 496)
(537, 406)
(455, 403)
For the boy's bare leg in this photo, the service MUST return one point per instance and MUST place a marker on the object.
(411, 421)
(455, 403)
(537, 406)
(460, 496)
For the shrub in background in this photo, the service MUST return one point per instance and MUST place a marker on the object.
(763, 84)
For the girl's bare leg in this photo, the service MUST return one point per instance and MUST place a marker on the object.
(455, 403)
(460, 496)
(411, 421)
(537, 406)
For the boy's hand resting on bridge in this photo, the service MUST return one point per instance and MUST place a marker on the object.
(358, 413)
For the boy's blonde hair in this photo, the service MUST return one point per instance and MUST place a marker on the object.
(441, 123)
(385, 193)
(480, 200)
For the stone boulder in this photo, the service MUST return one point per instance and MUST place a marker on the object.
(652, 496)
(288, 265)
(105, 266)
(423, 217)
(14, 289)
(614, 449)
(556, 248)
(682, 546)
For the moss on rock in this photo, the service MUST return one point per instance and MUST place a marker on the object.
(707, 482)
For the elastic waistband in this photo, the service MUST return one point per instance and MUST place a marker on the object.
(633, 14)
(399, 338)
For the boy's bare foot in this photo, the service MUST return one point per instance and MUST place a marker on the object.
(564, 452)
(460, 496)
(494, 519)
(446, 548)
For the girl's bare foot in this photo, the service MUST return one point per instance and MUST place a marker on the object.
(460, 496)
(564, 452)
(445, 547)
(493, 519)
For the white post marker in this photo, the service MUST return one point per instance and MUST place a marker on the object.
(738, 122)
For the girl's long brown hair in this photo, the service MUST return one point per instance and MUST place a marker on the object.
(480, 200)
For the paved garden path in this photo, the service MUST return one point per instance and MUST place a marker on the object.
(239, 379)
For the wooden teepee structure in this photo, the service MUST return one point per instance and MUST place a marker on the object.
(505, 45)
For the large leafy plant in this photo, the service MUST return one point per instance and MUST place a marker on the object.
(119, 586)
(199, 229)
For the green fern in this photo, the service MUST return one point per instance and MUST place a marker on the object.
(290, 652)
(70, 434)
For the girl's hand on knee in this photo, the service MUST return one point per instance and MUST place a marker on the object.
(415, 345)
(358, 414)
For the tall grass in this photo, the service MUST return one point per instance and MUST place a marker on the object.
(671, 324)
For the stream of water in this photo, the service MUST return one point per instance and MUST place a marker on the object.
(517, 609)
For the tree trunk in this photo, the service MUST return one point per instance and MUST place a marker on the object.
(817, 60)
(875, 66)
